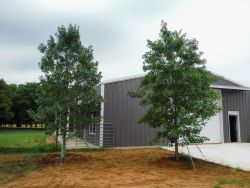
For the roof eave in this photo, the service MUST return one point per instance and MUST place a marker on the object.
(229, 87)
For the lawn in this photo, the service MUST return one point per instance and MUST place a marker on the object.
(13, 138)
(116, 168)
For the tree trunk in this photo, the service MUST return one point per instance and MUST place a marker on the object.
(63, 147)
(176, 151)
(65, 130)
(56, 139)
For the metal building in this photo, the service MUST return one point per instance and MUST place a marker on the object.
(232, 124)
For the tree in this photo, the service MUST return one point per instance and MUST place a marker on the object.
(18, 103)
(5, 103)
(24, 98)
(12, 92)
(68, 97)
(176, 89)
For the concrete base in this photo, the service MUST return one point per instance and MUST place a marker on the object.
(236, 155)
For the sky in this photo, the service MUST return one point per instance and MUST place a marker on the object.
(118, 30)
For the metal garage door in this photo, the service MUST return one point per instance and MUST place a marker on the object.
(214, 128)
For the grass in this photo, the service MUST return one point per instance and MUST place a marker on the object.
(12, 170)
(21, 138)
(221, 181)
(24, 141)
(24, 146)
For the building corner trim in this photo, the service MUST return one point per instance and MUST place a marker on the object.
(102, 117)
(222, 137)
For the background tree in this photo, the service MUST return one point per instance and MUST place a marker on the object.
(5, 103)
(24, 99)
(176, 89)
(12, 92)
(68, 97)
(18, 103)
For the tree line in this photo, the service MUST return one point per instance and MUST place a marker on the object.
(18, 103)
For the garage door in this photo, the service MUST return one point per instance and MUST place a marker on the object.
(214, 128)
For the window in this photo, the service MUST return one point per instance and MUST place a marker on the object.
(92, 128)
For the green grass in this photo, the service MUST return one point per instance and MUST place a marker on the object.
(12, 170)
(21, 138)
(228, 181)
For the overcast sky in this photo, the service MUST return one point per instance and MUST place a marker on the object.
(118, 30)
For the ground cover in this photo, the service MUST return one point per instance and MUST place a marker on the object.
(21, 138)
(116, 168)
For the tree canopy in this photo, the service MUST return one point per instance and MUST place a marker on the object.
(25, 102)
(18, 103)
(5, 103)
(176, 89)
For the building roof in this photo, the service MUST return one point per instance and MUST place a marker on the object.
(223, 83)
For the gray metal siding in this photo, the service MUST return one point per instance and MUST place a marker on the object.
(124, 112)
(108, 135)
(237, 100)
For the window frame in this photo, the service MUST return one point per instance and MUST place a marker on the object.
(92, 127)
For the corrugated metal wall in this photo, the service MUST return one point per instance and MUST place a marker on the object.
(94, 138)
(236, 100)
(124, 112)
(108, 135)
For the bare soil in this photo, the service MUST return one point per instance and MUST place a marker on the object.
(140, 168)
(50, 140)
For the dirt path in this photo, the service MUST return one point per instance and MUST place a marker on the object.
(124, 168)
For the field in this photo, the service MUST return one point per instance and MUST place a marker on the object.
(13, 138)
(116, 168)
